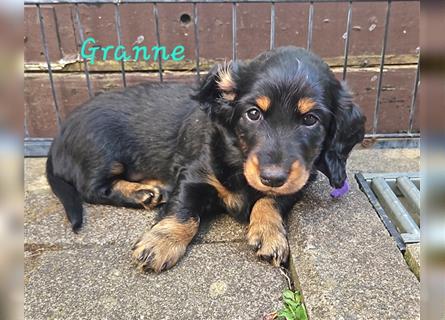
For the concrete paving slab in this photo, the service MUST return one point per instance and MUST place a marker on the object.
(222, 228)
(45, 220)
(90, 275)
(343, 275)
(213, 281)
(385, 160)
(46, 223)
(347, 264)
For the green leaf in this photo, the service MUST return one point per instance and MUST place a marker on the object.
(291, 303)
(301, 314)
(288, 294)
(297, 297)
(304, 312)
(293, 309)
(287, 314)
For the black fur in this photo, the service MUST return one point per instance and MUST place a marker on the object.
(68, 195)
(172, 133)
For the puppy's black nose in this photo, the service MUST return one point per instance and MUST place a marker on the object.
(273, 176)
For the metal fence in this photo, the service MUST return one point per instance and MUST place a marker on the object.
(39, 146)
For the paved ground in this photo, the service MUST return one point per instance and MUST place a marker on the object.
(345, 262)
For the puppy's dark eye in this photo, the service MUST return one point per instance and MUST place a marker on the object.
(309, 120)
(253, 114)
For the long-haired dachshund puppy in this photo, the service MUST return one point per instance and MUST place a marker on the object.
(245, 143)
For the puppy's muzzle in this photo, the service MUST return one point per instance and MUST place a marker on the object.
(273, 179)
(273, 176)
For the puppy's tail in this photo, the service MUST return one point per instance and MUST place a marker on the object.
(67, 194)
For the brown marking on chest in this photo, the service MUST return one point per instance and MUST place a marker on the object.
(233, 201)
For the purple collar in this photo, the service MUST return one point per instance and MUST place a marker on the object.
(339, 192)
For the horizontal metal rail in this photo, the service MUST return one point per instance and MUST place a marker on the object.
(196, 1)
(390, 176)
(38, 147)
(391, 179)
(391, 135)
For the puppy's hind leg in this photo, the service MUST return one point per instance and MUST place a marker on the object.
(114, 185)
(147, 193)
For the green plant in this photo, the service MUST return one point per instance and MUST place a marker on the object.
(294, 308)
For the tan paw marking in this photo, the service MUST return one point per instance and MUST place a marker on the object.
(160, 248)
(148, 193)
(266, 233)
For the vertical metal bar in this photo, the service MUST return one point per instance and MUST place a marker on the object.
(25, 124)
(73, 25)
(348, 33)
(196, 29)
(48, 63)
(382, 64)
(158, 38)
(117, 18)
(414, 97)
(234, 27)
(310, 26)
(59, 40)
(82, 39)
(272, 26)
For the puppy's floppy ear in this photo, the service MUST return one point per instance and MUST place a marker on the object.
(346, 130)
(218, 89)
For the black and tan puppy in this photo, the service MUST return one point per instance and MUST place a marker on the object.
(244, 143)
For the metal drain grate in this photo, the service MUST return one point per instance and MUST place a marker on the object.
(396, 198)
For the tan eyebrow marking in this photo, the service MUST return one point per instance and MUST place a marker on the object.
(305, 105)
(263, 103)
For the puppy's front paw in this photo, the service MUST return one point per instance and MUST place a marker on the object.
(270, 243)
(160, 248)
(156, 251)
